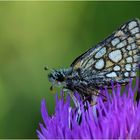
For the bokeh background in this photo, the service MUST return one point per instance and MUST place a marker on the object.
(35, 34)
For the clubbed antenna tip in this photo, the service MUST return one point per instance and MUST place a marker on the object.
(46, 68)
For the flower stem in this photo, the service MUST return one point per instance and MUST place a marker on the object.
(138, 92)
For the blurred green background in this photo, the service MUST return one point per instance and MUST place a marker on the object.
(33, 34)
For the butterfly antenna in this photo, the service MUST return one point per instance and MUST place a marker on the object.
(46, 68)
(138, 92)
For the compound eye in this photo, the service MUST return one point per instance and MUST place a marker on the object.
(60, 78)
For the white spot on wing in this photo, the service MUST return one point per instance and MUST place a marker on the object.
(126, 74)
(99, 64)
(132, 24)
(115, 56)
(117, 68)
(133, 46)
(128, 67)
(100, 53)
(135, 30)
(133, 74)
(115, 41)
(135, 58)
(129, 47)
(129, 59)
(111, 74)
(122, 44)
(123, 50)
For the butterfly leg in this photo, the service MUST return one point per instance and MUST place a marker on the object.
(76, 103)
(93, 104)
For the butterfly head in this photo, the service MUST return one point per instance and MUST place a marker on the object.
(58, 77)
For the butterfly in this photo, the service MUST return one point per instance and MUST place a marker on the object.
(115, 59)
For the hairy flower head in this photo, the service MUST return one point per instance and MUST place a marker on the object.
(118, 117)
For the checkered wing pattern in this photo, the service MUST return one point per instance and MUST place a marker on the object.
(116, 58)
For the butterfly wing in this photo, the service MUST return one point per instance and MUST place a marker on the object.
(116, 58)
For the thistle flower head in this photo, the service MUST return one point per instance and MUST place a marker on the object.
(118, 117)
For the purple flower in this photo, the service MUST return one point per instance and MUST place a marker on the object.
(118, 117)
